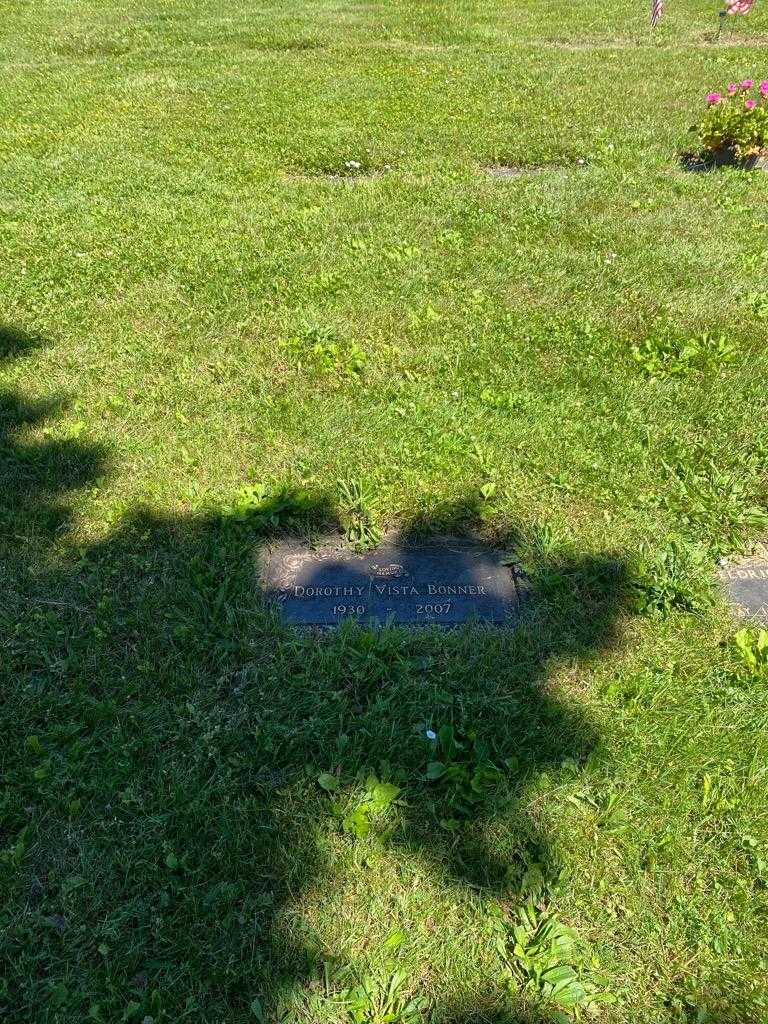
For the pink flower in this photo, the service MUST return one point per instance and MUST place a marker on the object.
(747, 83)
(739, 6)
(713, 97)
(763, 88)
(749, 104)
(732, 88)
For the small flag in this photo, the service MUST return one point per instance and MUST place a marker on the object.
(657, 9)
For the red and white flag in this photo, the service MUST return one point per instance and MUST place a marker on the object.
(657, 9)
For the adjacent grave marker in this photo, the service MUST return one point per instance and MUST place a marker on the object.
(522, 170)
(443, 581)
(511, 170)
(746, 582)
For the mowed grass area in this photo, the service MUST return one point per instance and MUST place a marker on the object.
(211, 335)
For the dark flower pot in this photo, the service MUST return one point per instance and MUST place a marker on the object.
(724, 158)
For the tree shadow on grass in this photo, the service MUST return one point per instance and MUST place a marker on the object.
(36, 474)
(167, 847)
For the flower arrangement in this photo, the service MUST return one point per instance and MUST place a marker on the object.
(735, 125)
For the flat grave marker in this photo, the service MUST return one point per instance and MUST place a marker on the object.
(746, 583)
(442, 581)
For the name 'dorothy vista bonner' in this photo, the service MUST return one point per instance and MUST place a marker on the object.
(391, 590)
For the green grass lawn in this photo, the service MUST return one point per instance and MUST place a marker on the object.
(216, 329)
